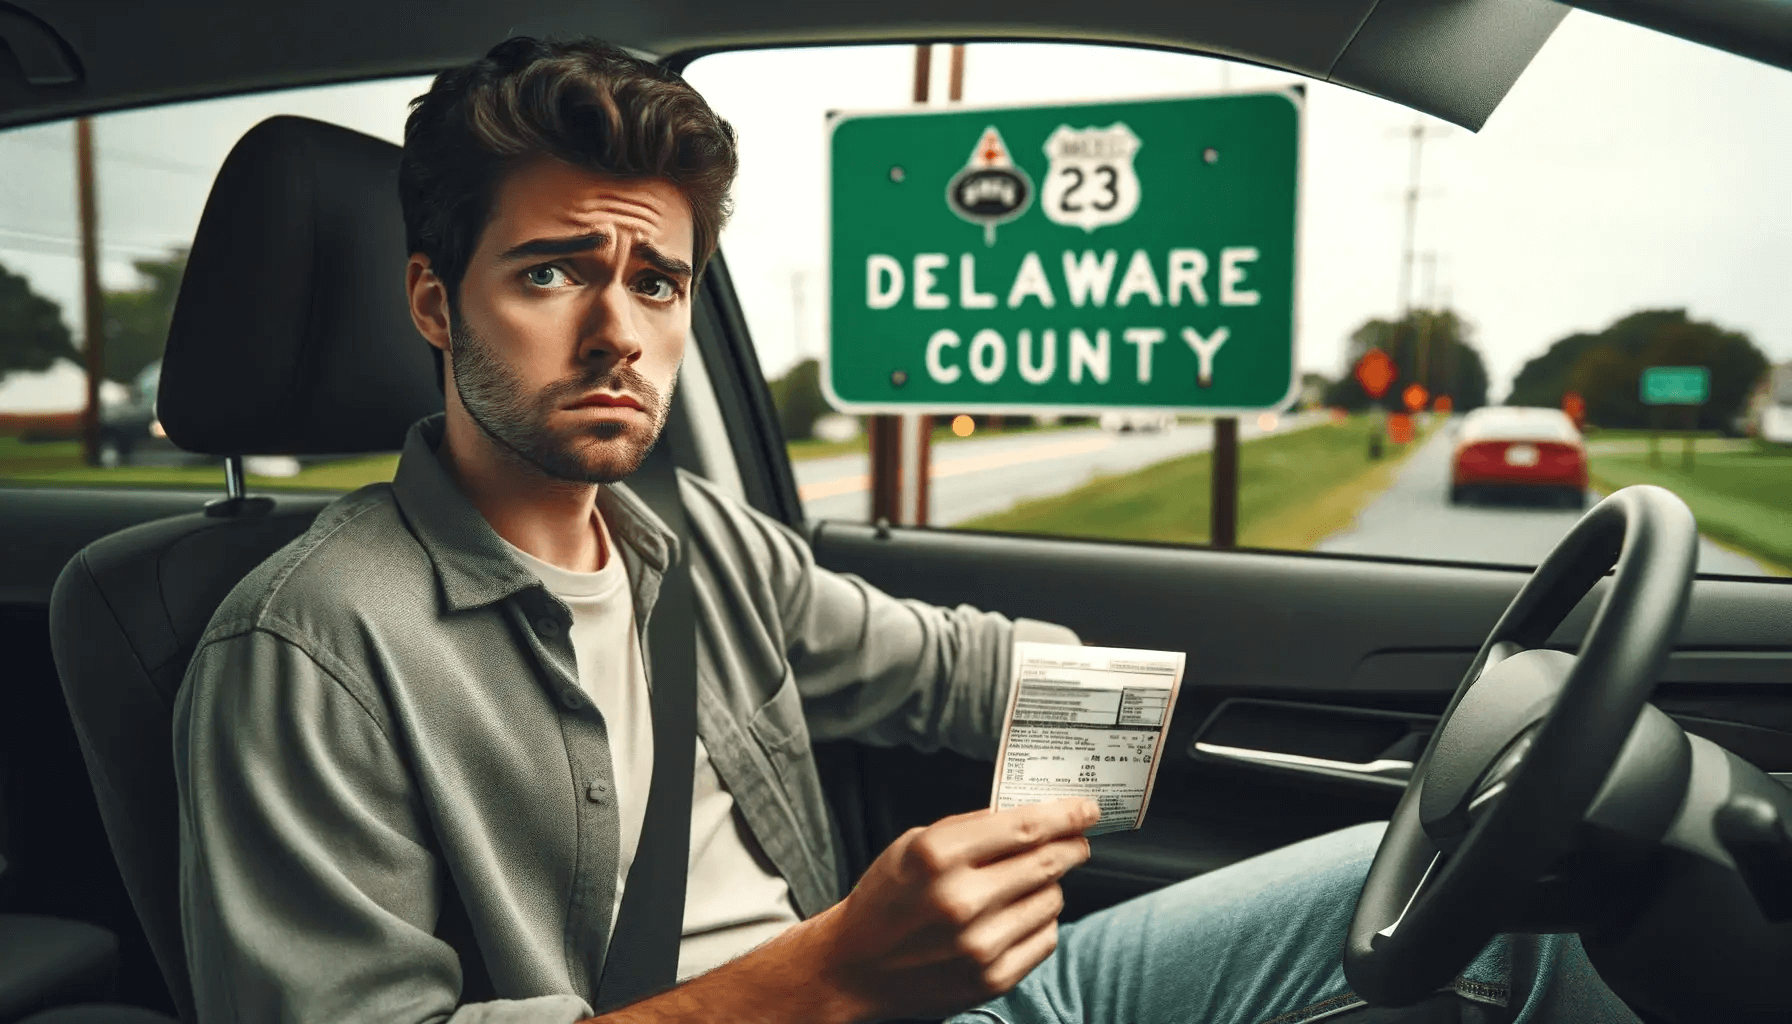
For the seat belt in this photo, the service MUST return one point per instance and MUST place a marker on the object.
(642, 956)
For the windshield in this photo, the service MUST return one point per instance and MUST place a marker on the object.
(1606, 259)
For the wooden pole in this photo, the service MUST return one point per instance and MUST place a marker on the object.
(1223, 527)
(93, 320)
(1654, 435)
(923, 425)
(891, 501)
(1692, 427)
(885, 440)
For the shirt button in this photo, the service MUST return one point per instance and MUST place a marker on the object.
(597, 791)
(569, 699)
(549, 628)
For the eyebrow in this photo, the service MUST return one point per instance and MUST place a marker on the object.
(570, 245)
(566, 245)
(671, 266)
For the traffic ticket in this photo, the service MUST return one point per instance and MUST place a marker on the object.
(1086, 721)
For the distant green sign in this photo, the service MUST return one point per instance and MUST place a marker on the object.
(1058, 259)
(1675, 385)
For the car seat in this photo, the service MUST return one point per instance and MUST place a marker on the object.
(291, 336)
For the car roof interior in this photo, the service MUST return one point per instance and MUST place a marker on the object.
(1454, 60)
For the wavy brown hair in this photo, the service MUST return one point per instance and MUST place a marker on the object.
(585, 102)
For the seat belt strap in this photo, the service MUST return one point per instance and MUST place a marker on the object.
(642, 956)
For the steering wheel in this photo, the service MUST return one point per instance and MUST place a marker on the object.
(1523, 749)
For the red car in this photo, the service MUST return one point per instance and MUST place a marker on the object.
(1506, 449)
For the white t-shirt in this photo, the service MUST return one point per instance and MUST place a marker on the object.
(734, 899)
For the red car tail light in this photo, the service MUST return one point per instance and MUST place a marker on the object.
(1557, 454)
(1482, 453)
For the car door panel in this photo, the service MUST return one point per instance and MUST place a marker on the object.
(1300, 636)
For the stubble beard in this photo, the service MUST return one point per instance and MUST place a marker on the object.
(516, 418)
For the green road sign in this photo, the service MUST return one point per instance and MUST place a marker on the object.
(1675, 385)
(1131, 254)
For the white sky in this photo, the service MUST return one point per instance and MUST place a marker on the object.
(1625, 170)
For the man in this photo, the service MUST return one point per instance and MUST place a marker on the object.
(413, 748)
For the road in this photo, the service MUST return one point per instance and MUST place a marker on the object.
(978, 476)
(1415, 519)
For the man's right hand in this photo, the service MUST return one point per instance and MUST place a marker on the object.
(956, 913)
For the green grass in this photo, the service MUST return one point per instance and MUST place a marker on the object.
(810, 448)
(1294, 490)
(58, 464)
(1628, 434)
(1741, 498)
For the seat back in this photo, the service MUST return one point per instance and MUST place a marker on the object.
(291, 335)
(124, 618)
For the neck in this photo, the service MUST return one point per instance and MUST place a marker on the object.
(550, 519)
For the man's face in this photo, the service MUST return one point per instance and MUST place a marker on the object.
(572, 318)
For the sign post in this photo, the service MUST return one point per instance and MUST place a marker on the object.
(1066, 259)
(1689, 386)
(900, 446)
(1375, 372)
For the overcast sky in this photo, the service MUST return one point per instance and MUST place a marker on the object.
(1625, 170)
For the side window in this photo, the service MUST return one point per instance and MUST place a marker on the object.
(1561, 262)
(152, 171)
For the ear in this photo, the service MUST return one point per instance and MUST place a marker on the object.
(429, 301)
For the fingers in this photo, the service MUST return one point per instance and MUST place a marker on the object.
(1020, 959)
(1006, 881)
(955, 819)
(963, 839)
(990, 938)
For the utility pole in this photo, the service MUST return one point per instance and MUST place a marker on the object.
(1422, 371)
(901, 447)
(93, 325)
(1417, 134)
(1449, 385)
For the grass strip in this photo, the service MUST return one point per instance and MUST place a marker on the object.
(1294, 489)
(811, 448)
(59, 464)
(1740, 498)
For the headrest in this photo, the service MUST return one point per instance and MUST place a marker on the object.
(292, 334)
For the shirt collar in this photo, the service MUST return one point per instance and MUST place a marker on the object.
(472, 567)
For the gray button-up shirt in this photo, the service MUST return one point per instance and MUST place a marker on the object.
(392, 788)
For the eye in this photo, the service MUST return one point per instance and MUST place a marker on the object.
(658, 287)
(545, 276)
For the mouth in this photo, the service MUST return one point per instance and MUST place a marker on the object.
(599, 400)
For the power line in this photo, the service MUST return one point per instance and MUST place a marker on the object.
(165, 242)
(52, 246)
(124, 156)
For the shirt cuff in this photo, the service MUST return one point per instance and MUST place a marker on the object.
(1035, 631)
(556, 1009)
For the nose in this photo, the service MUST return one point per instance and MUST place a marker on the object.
(612, 330)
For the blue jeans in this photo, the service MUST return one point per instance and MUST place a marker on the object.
(1260, 942)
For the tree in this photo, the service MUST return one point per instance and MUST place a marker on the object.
(136, 321)
(799, 400)
(1451, 365)
(1606, 380)
(1605, 367)
(32, 334)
